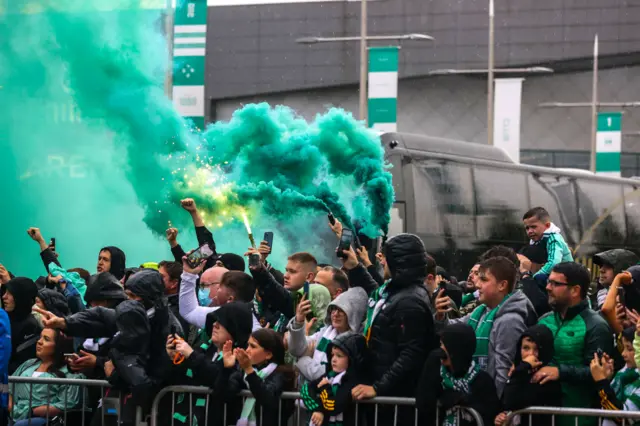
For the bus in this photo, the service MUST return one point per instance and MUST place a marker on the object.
(463, 198)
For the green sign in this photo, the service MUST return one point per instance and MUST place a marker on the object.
(383, 88)
(608, 143)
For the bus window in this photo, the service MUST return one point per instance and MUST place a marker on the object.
(444, 199)
(602, 213)
(558, 197)
(501, 196)
(632, 210)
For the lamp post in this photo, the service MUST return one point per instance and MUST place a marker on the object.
(363, 39)
(490, 75)
(471, 71)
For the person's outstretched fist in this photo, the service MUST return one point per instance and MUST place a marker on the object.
(189, 205)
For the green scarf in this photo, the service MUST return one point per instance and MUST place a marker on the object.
(626, 384)
(376, 301)
(482, 327)
(459, 384)
(248, 414)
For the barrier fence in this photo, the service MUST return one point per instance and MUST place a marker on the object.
(623, 417)
(97, 397)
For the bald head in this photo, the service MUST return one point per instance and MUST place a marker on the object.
(213, 275)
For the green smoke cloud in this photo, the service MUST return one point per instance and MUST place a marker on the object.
(91, 149)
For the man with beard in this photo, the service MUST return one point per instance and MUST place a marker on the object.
(579, 333)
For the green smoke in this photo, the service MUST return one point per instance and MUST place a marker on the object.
(91, 149)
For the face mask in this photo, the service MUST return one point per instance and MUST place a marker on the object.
(203, 297)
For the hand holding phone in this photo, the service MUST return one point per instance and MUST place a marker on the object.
(71, 357)
(346, 239)
(196, 257)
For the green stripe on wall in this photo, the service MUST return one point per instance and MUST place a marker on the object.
(607, 162)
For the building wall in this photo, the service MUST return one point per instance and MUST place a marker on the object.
(252, 49)
(456, 107)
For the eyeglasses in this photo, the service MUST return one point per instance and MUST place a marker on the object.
(555, 283)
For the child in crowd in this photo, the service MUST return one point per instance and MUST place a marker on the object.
(329, 398)
(262, 371)
(623, 392)
(545, 237)
(535, 350)
(451, 377)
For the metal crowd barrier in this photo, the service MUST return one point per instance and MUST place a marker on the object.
(574, 412)
(296, 419)
(81, 410)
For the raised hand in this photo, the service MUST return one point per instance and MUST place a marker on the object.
(228, 356)
(189, 205)
(304, 309)
(49, 320)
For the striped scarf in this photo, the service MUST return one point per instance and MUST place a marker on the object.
(626, 385)
(248, 414)
(482, 324)
(462, 384)
(376, 302)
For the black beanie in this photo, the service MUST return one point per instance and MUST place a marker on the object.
(237, 318)
(232, 262)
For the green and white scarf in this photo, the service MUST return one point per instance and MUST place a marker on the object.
(248, 414)
(482, 326)
(376, 302)
(462, 384)
(626, 385)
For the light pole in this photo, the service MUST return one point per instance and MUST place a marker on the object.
(594, 106)
(363, 39)
(168, 30)
(490, 76)
(363, 60)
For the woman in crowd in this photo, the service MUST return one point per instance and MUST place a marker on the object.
(38, 401)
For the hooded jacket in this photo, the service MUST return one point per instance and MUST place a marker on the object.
(459, 341)
(5, 354)
(336, 400)
(25, 330)
(104, 286)
(353, 303)
(54, 302)
(118, 261)
(520, 392)
(512, 319)
(401, 332)
(204, 365)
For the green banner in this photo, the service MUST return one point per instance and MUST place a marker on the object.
(383, 88)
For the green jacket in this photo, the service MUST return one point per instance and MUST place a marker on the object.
(577, 338)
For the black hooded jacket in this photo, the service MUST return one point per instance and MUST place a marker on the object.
(460, 343)
(402, 333)
(54, 302)
(118, 261)
(520, 392)
(25, 330)
(334, 400)
(203, 366)
(104, 286)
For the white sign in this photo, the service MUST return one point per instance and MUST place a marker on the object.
(506, 115)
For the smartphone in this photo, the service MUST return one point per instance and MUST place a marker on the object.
(600, 353)
(74, 356)
(198, 255)
(345, 242)
(52, 244)
(332, 219)
(268, 237)
(305, 289)
(254, 259)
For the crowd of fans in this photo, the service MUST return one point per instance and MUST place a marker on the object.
(526, 328)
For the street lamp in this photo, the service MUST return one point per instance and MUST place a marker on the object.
(363, 38)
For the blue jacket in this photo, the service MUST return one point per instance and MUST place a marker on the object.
(5, 354)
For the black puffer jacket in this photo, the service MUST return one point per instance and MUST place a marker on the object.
(54, 302)
(402, 333)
